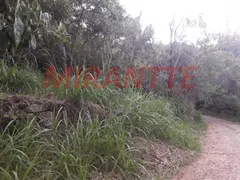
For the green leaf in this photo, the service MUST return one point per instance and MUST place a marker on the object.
(33, 42)
(61, 32)
(61, 28)
(18, 30)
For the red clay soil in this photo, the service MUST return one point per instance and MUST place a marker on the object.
(220, 158)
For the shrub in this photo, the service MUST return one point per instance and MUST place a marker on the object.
(226, 104)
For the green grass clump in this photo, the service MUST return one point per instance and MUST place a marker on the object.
(153, 116)
(70, 153)
(141, 114)
(20, 80)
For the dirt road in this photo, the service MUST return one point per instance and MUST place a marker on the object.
(220, 158)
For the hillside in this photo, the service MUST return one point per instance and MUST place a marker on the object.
(87, 92)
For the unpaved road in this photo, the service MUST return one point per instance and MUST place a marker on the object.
(220, 158)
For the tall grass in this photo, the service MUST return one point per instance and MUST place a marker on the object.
(141, 114)
(20, 80)
(71, 152)
(75, 150)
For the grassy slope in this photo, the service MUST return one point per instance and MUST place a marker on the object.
(74, 151)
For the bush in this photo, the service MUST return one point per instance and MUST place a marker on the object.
(225, 104)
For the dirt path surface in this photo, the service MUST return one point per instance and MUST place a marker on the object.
(220, 158)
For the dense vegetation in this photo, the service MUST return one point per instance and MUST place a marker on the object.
(35, 34)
